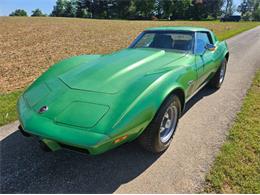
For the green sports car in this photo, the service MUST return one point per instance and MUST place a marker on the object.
(93, 103)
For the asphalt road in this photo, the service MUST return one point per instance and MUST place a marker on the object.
(25, 168)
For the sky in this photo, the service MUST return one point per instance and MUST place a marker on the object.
(7, 6)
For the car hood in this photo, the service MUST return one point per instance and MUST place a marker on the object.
(113, 72)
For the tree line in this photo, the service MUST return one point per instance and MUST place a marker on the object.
(150, 9)
(138, 9)
(35, 13)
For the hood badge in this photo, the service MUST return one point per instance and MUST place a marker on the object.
(43, 109)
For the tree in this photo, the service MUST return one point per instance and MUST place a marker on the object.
(167, 7)
(144, 8)
(180, 9)
(70, 8)
(19, 12)
(122, 9)
(141, 9)
(229, 7)
(256, 11)
(250, 10)
(244, 7)
(59, 8)
(198, 10)
(158, 8)
(84, 9)
(214, 7)
(37, 13)
(99, 8)
(93, 8)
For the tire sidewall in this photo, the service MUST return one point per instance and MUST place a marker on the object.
(224, 63)
(173, 99)
(215, 81)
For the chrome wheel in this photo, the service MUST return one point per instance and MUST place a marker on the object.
(222, 73)
(158, 135)
(168, 124)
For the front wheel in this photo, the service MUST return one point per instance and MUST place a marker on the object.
(158, 135)
(219, 77)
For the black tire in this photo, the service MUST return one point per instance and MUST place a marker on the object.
(150, 139)
(218, 78)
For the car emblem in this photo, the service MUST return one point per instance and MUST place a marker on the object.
(43, 109)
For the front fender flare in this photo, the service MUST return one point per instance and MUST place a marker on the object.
(142, 111)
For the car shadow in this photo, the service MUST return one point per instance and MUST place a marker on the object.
(25, 168)
(204, 92)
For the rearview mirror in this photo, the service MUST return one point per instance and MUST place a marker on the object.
(210, 47)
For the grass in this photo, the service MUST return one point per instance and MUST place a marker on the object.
(30, 45)
(233, 32)
(8, 107)
(237, 166)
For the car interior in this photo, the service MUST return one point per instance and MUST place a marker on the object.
(165, 41)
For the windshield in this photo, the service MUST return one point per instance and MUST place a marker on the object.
(178, 41)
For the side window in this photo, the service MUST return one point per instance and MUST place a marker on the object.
(202, 39)
(146, 40)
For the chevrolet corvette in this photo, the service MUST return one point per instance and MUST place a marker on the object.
(93, 103)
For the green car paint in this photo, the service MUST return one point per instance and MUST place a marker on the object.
(92, 100)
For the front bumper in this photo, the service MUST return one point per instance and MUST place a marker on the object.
(46, 129)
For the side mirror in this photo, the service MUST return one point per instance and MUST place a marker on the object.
(210, 47)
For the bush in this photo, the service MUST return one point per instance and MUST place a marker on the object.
(37, 13)
(19, 12)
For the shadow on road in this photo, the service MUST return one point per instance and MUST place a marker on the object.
(205, 91)
(25, 168)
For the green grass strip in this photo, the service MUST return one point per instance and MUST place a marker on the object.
(237, 166)
(8, 107)
(230, 33)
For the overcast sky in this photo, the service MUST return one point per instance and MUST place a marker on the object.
(7, 6)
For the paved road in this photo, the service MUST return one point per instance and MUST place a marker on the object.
(128, 169)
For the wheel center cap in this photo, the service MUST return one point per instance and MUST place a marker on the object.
(168, 124)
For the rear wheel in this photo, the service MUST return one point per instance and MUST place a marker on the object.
(158, 135)
(219, 77)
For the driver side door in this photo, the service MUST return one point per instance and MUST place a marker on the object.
(205, 62)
